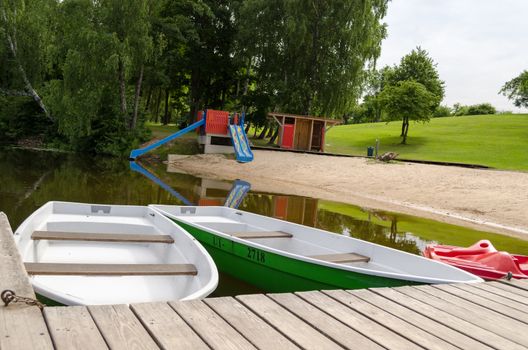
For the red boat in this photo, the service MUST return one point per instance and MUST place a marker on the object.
(481, 259)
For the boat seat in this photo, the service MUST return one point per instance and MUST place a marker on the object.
(341, 258)
(262, 234)
(109, 269)
(101, 237)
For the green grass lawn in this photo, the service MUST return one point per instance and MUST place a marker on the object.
(160, 131)
(185, 144)
(498, 141)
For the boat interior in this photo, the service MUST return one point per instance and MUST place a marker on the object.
(278, 239)
(138, 250)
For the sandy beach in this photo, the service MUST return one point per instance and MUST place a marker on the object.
(490, 200)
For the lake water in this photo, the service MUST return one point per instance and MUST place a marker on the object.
(29, 179)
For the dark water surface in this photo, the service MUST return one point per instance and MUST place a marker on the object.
(29, 179)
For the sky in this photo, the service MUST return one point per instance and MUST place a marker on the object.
(477, 45)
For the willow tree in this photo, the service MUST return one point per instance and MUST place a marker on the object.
(99, 51)
(312, 55)
(128, 22)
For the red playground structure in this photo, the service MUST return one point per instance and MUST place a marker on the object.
(218, 132)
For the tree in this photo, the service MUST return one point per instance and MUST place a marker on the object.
(517, 90)
(127, 22)
(98, 57)
(311, 57)
(419, 67)
(408, 100)
(376, 82)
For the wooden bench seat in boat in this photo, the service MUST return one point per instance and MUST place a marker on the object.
(66, 269)
(261, 234)
(101, 237)
(341, 258)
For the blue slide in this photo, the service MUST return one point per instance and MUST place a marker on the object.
(241, 144)
(140, 151)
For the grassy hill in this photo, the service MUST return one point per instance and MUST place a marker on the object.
(499, 141)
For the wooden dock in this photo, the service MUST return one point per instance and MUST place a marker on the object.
(492, 315)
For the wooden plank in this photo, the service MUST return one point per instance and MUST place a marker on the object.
(262, 234)
(520, 284)
(355, 320)
(395, 324)
(120, 328)
(482, 317)
(166, 327)
(325, 323)
(441, 316)
(252, 327)
(506, 290)
(341, 258)
(101, 237)
(429, 325)
(490, 300)
(215, 331)
(509, 295)
(72, 327)
(296, 329)
(110, 269)
(21, 326)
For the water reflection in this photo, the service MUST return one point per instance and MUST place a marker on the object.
(139, 169)
(30, 179)
(234, 198)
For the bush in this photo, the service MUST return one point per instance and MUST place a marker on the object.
(478, 109)
(20, 117)
(483, 108)
(442, 111)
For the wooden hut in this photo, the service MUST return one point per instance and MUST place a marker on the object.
(302, 132)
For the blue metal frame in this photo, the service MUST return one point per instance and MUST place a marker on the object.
(140, 151)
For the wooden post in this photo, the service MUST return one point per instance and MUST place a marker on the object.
(323, 138)
(22, 326)
(311, 135)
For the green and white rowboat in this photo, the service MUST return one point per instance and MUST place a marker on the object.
(279, 256)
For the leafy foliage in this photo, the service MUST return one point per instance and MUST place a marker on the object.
(99, 69)
(442, 111)
(517, 90)
(409, 100)
(311, 59)
(478, 109)
(419, 67)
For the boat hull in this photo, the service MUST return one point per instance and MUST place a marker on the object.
(277, 273)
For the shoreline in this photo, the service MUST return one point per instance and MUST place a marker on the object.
(482, 199)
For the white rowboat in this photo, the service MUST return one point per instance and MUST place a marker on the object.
(86, 254)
